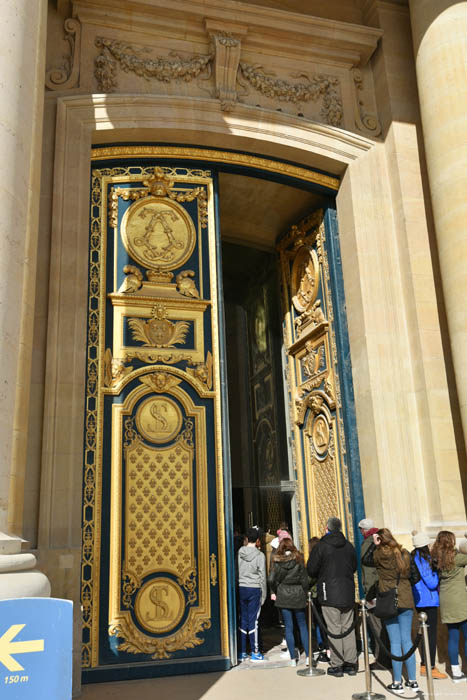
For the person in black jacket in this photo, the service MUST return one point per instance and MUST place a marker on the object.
(333, 563)
(289, 585)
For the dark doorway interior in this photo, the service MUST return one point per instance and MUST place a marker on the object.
(260, 472)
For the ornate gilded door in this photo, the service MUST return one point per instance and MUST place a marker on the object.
(154, 589)
(318, 371)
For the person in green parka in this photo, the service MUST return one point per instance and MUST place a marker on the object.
(452, 596)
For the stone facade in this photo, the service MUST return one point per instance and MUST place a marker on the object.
(365, 90)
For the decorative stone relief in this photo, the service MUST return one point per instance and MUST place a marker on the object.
(66, 76)
(368, 123)
(318, 86)
(226, 44)
(116, 54)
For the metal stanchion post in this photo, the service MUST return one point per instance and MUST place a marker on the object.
(368, 694)
(426, 646)
(310, 672)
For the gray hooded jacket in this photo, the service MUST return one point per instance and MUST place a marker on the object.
(252, 569)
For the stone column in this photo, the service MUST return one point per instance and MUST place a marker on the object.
(22, 67)
(439, 29)
(16, 578)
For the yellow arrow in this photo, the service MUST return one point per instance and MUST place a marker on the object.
(7, 647)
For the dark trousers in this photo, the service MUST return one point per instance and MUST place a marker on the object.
(432, 622)
(250, 608)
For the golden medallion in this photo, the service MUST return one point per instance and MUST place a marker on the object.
(320, 434)
(158, 233)
(305, 279)
(160, 605)
(159, 419)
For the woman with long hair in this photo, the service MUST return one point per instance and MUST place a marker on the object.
(425, 581)
(392, 564)
(452, 596)
(289, 585)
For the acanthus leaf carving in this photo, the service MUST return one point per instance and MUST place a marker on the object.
(137, 642)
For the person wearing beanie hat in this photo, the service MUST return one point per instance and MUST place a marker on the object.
(425, 582)
(366, 524)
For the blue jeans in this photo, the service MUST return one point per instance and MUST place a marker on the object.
(400, 637)
(453, 641)
(288, 614)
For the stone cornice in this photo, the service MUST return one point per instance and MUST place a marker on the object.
(271, 31)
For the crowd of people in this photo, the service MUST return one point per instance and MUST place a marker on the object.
(395, 583)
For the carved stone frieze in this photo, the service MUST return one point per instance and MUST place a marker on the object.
(317, 87)
(368, 123)
(118, 54)
(67, 75)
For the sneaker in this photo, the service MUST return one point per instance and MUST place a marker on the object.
(336, 671)
(459, 679)
(257, 656)
(350, 669)
(293, 662)
(396, 687)
(413, 685)
(323, 657)
(243, 657)
(436, 673)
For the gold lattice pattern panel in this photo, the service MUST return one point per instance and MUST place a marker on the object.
(325, 488)
(159, 509)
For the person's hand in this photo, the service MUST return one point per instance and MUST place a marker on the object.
(376, 539)
(273, 596)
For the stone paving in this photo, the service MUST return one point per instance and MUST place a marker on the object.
(268, 680)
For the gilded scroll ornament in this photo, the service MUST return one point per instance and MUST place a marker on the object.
(185, 284)
(314, 360)
(130, 585)
(133, 280)
(316, 87)
(368, 123)
(189, 583)
(202, 371)
(136, 642)
(159, 419)
(67, 75)
(160, 382)
(114, 54)
(158, 332)
(115, 369)
(305, 278)
(213, 566)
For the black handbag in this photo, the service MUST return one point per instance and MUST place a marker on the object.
(387, 602)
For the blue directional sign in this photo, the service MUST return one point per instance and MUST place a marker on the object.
(36, 649)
